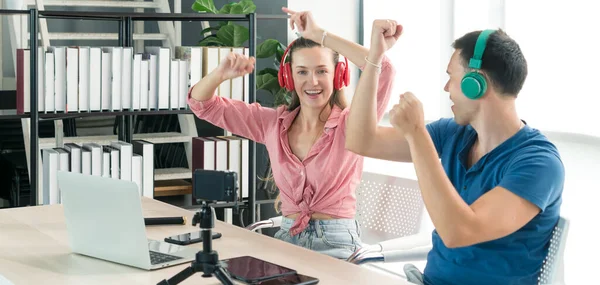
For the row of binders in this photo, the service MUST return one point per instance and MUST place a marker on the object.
(223, 153)
(93, 79)
(119, 160)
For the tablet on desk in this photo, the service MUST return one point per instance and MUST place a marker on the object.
(294, 279)
(252, 270)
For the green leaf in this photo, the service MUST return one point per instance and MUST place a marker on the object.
(268, 70)
(247, 6)
(280, 51)
(233, 35)
(209, 29)
(267, 48)
(236, 8)
(241, 35)
(225, 34)
(204, 6)
(282, 97)
(211, 41)
(226, 9)
(267, 82)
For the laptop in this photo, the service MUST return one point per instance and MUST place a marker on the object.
(104, 220)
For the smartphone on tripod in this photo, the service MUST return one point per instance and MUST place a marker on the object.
(208, 186)
(189, 238)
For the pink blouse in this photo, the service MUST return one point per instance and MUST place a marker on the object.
(324, 182)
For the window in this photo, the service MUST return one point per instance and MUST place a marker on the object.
(560, 93)
(417, 56)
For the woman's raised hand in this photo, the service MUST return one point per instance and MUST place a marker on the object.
(305, 23)
(235, 65)
(384, 35)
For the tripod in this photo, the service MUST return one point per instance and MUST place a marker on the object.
(207, 260)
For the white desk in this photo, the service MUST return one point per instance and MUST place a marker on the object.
(34, 249)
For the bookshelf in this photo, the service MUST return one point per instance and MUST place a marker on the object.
(59, 116)
(125, 118)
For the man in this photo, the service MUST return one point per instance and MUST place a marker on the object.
(495, 197)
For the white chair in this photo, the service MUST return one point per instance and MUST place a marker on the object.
(388, 208)
(552, 272)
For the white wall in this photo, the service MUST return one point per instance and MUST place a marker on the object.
(342, 20)
(581, 157)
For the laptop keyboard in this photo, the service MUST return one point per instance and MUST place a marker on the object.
(158, 257)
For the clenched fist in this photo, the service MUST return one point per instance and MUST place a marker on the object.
(384, 35)
(235, 65)
(407, 116)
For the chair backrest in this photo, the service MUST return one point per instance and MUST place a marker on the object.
(553, 269)
(388, 207)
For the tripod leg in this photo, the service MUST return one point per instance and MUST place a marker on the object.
(222, 276)
(179, 277)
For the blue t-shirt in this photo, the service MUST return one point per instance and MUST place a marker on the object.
(526, 164)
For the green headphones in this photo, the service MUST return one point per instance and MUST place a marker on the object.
(473, 84)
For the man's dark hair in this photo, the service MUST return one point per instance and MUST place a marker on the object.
(502, 61)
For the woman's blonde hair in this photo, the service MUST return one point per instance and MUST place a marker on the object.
(337, 98)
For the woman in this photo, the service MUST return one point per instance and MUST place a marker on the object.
(314, 172)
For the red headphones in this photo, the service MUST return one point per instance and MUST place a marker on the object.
(341, 76)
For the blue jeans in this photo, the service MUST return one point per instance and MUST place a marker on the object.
(338, 238)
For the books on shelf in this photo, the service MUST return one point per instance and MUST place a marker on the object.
(193, 58)
(106, 79)
(95, 79)
(174, 84)
(86, 161)
(136, 81)
(50, 162)
(23, 83)
(102, 160)
(127, 79)
(163, 68)
(146, 150)
(83, 85)
(125, 154)
(72, 86)
(60, 78)
(136, 171)
(74, 156)
(116, 80)
(96, 157)
(48, 82)
(113, 162)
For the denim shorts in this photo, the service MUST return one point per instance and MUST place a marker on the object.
(338, 238)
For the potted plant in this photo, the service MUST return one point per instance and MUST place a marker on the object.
(230, 34)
